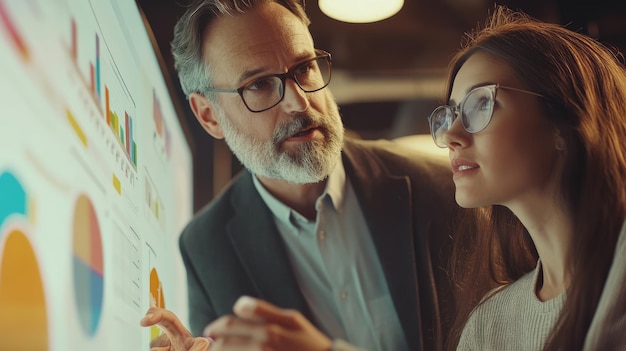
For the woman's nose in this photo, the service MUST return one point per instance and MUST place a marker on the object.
(456, 136)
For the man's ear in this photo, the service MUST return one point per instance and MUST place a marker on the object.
(205, 112)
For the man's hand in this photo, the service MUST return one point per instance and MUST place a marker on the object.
(176, 337)
(259, 325)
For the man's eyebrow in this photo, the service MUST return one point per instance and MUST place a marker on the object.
(245, 76)
(303, 57)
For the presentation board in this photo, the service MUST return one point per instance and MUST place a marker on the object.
(95, 178)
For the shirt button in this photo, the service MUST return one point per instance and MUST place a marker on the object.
(322, 235)
(343, 295)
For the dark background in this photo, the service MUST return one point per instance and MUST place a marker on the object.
(388, 75)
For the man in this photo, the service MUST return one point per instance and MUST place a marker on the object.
(351, 233)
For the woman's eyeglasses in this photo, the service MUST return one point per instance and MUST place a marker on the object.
(476, 110)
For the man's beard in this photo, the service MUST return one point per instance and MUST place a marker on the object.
(309, 162)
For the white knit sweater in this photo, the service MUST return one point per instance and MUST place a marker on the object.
(513, 318)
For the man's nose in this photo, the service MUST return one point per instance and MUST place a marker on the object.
(295, 99)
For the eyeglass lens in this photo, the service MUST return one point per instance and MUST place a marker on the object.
(266, 92)
(475, 110)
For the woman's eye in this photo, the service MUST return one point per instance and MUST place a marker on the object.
(483, 104)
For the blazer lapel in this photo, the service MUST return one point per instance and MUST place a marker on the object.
(386, 204)
(261, 250)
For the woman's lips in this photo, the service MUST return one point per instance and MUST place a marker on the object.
(461, 167)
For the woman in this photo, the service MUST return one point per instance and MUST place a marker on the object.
(539, 154)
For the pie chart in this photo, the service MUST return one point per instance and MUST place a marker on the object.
(23, 313)
(23, 316)
(88, 265)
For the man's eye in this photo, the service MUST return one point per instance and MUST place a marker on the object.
(262, 84)
(304, 68)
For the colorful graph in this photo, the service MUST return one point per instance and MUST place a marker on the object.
(153, 202)
(123, 128)
(88, 265)
(156, 299)
(160, 127)
(118, 118)
(23, 314)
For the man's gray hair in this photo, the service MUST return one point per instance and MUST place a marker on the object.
(194, 73)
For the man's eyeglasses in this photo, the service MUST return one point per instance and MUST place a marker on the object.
(475, 110)
(266, 92)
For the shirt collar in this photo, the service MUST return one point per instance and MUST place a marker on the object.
(335, 190)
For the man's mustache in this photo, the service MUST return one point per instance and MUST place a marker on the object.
(297, 123)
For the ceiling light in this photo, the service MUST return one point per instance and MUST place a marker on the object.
(360, 11)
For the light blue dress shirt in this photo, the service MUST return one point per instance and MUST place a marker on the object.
(337, 267)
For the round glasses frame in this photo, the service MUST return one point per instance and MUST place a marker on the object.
(436, 125)
(291, 73)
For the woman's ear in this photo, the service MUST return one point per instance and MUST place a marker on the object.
(206, 113)
(559, 142)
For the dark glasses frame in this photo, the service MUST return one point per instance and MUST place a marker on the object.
(291, 73)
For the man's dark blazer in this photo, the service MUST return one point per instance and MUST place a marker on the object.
(232, 247)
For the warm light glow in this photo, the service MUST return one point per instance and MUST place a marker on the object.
(360, 11)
